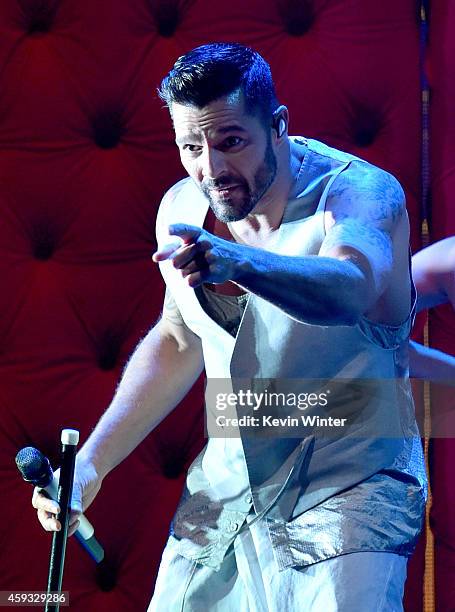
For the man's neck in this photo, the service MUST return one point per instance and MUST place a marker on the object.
(265, 219)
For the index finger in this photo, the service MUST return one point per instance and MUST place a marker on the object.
(188, 233)
(40, 501)
(166, 251)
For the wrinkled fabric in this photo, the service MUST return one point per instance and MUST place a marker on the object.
(383, 513)
(249, 581)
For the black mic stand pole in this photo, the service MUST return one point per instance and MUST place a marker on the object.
(70, 439)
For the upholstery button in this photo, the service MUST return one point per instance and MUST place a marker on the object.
(233, 527)
(297, 15)
(248, 499)
(43, 239)
(109, 346)
(40, 16)
(108, 129)
(167, 17)
(173, 469)
(366, 127)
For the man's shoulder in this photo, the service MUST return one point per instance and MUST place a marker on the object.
(368, 181)
(359, 170)
(168, 204)
(369, 194)
(182, 203)
(173, 199)
(183, 187)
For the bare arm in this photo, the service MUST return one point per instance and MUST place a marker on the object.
(344, 281)
(161, 371)
(430, 364)
(433, 270)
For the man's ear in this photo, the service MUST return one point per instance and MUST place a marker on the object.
(280, 120)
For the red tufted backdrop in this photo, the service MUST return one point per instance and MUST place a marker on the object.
(86, 152)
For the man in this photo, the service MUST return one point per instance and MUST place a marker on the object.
(284, 260)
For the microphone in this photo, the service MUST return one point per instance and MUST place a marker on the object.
(36, 469)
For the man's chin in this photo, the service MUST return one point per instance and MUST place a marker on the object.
(225, 212)
(226, 216)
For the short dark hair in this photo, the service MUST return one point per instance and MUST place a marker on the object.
(216, 70)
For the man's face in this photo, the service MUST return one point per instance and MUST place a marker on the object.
(228, 153)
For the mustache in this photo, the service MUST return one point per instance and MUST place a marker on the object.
(220, 183)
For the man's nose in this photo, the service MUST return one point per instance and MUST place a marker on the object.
(213, 163)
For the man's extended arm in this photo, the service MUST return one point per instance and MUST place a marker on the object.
(335, 287)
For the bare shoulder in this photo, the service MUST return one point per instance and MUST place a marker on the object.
(365, 221)
(175, 191)
(369, 193)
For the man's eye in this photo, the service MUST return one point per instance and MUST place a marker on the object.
(232, 141)
(191, 148)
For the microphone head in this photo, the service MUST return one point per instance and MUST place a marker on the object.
(34, 466)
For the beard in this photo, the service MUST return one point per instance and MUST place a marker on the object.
(230, 208)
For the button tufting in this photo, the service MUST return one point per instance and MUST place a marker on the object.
(107, 575)
(108, 129)
(43, 251)
(39, 16)
(172, 469)
(167, 15)
(298, 16)
(366, 126)
(43, 241)
(364, 138)
(109, 349)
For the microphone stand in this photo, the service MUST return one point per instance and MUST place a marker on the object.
(69, 439)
